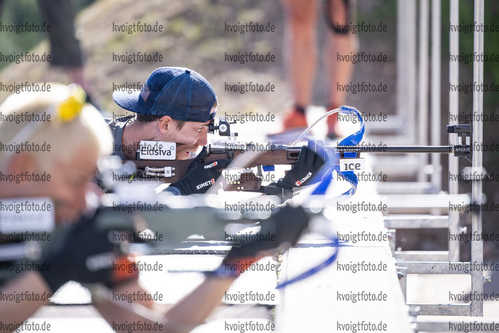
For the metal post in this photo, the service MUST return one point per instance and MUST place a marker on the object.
(423, 84)
(453, 112)
(406, 65)
(436, 176)
(476, 188)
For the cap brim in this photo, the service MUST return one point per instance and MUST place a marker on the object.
(129, 101)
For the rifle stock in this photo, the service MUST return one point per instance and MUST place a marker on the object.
(172, 171)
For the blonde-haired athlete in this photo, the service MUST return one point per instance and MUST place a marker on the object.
(55, 134)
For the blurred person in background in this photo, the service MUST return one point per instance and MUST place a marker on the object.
(65, 47)
(302, 52)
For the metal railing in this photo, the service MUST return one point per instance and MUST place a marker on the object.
(433, 262)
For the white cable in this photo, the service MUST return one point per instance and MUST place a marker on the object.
(327, 114)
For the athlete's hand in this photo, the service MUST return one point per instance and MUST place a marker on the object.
(87, 254)
(200, 175)
(286, 226)
(310, 160)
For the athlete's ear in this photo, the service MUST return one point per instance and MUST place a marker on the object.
(23, 162)
(165, 124)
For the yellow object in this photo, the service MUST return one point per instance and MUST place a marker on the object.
(72, 106)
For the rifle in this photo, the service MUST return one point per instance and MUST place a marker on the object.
(146, 227)
(172, 171)
(276, 154)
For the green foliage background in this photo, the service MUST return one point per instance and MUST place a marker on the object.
(18, 11)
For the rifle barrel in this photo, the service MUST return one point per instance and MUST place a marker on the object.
(397, 149)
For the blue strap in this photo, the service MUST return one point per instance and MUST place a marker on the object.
(326, 173)
(331, 259)
(351, 140)
(331, 163)
(355, 138)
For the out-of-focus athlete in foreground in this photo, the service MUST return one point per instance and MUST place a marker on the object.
(64, 149)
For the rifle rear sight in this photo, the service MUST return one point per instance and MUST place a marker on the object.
(223, 127)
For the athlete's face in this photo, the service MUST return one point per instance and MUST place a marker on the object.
(68, 183)
(189, 138)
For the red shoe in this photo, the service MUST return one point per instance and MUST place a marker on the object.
(294, 119)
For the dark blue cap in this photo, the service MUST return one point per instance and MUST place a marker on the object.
(178, 92)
